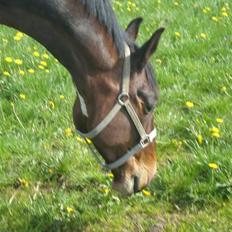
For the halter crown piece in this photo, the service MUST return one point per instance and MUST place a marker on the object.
(123, 100)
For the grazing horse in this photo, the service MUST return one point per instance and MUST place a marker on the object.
(115, 82)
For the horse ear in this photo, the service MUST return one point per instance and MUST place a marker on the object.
(143, 54)
(133, 28)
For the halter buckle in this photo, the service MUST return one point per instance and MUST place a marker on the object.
(123, 98)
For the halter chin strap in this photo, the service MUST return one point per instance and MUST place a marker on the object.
(123, 100)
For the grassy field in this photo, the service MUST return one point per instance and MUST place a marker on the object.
(49, 181)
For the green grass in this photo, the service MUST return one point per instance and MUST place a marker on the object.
(185, 196)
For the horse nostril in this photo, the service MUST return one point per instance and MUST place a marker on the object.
(136, 184)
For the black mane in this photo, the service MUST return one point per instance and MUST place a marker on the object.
(102, 10)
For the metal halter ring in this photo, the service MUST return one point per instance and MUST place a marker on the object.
(123, 98)
(145, 141)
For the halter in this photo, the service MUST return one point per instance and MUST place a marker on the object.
(123, 100)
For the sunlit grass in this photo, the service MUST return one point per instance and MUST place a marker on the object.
(49, 180)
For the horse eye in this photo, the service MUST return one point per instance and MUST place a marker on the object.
(148, 99)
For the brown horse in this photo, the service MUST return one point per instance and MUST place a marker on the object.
(85, 37)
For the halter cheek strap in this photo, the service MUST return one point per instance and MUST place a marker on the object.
(123, 101)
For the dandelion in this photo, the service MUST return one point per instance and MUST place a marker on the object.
(219, 120)
(45, 56)
(200, 139)
(110, 175)
(62, 97)
(88, 141)
(216, 135)
(8, 59)
(18, 61)
(203, 36)
(215, 19)
(36, 54)
(177, 34)
(79, 139)
(206, 10)
(41, 67)
(105, 190)
(189, 104)
(44, 63)
(51, 105)
(23, 182)
(31, 71)
(21, 72)
(68, 132)
(70, 210)
(22, 96)
(146, 193)
(214, 130)
(17, 38)
(6, 74)
(213, 166)
(225, 14)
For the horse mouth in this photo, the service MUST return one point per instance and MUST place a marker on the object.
(136, 184)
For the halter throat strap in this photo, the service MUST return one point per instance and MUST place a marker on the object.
(123, 101)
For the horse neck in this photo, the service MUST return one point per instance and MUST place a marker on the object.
(65, 29)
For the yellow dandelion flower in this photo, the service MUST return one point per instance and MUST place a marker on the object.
(41, 67)
(88, 141)
(45, 56)
(62, 97)
(213, 166)
(219, 120)
(146, 193)
(6, 74)
(215, 19)
(21, 72)
(216, 135)
(106, 190)
(68, 132)
(80, 140)
(19, 34)
(177, 34)
(225, 14)
(51, 105)
(189, 104)
(70, 210)
(200, 139)
(31, 71)
(36, 54)
(8, 59)
(17, 38)
(23, 182)
(110, 175)
(203, 36)
(214, 130)
(44, 63)
(18, 61)
(22, 96)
